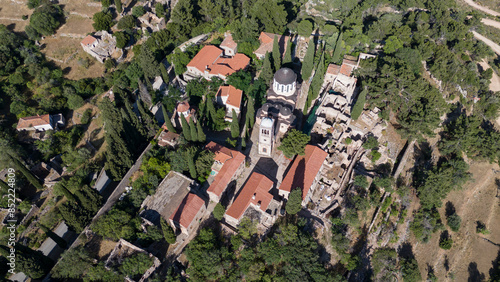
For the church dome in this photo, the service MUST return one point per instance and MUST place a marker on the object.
(285, 111)
(285, 76)
(267, 122)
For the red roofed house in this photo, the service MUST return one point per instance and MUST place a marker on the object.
(209, 63)
(254, 194)
(230, 97)
(100, 45)
(188, 214)
(227, 163)
(331, 72)
(304, 172)
(229, 45)
(183, 108)
(266, 44)
(40, 123)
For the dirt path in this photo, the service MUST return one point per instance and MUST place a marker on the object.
(493, 45)
(481, 8)
(491, 22)
(495, 79)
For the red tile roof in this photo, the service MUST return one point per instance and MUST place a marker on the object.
(234, 95)
(222, 154)
(346, 69)
(303, 170)
(187, 210)
(27, 122)
(333, 69)
(267, 41)
(183, 106)
(209, 59)
(255, 191)
(229, 42)
(88, 40)
(227, 172)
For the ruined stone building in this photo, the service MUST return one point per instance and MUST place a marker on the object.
(101, 45)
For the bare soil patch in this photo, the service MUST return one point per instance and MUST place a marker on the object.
(471, 254)
(495, 79)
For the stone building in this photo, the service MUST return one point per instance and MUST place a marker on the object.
(266, 44)
(229, 46)
(254, 195)
(188, 215)
(101, 45)
(40, 122)
(229, 97)
(304, 173)
(278, 110)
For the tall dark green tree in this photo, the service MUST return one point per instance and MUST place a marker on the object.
(357, 109)
(168, 232)
(192, 130)
(294, 143)
(294, 203)
(118, 156)
(288, 53)
(147, 119)
(308, 63)
(250, 115)
(192, 168)
(186, 131)
(276, 54)
(168, 122)
(266, 73)
(201, 135)
(235, 125)
(26, 173)
(118, 5)
(211, 113)
(338, 50)
(148, 63)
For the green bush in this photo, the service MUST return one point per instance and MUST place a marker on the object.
(348, 141)
(86, 116)
(219, 211)
(454, 222)
(375, 155)
(138, 11)
(446, 243)
(370, 143)
(127, 22)
(360, 180)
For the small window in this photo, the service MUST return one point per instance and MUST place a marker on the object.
(264, 150)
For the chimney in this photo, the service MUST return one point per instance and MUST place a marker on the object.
(253, 197)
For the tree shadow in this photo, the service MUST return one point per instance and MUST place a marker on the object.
(450, 209)
(446, 263)
(474, 273)
(406, 251)
(495, 269)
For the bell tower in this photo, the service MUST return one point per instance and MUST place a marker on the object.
(266, 136)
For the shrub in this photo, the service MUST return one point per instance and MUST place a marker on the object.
(127, 22)
(348, 141)
(375, 155)
(446, 243)
(294, 204)
(219, 211)
(360, 180)
(370, 143)
(454, 222)
(138, 11)
(86, 116)
(102, 21)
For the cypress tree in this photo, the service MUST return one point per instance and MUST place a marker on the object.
(201, 135)
(192, 129)
(168, 232)
(29, 176)
(235, 126)
(134, 119)
(65, 192)
(288, 53)
(192, 167)
(318, 78)
(147, 119)
(118, 5)
(133, 139)
(211, 110)
(357, 109)
(338, 50)
(185, 128)
(168, 122)
(276, 54)
(308, 63)
(266, 73)
(164, 73)
(250, 115)
(4, 186)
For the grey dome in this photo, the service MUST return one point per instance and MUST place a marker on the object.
(285, 76)
(285, 111)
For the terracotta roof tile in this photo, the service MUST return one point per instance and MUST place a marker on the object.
(187, 210)
(27, 122)
(88, 40)
(255, 191)
(333, 69)
(346, 69)
(303, 170)
(267, 40)
(234, 95)
(229, 42)
(226, 173)
(222, 154)
(209, 58)
(182, 107)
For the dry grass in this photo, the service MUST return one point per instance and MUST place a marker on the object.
(11, 14)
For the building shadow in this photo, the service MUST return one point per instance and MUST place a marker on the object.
(267, 167)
